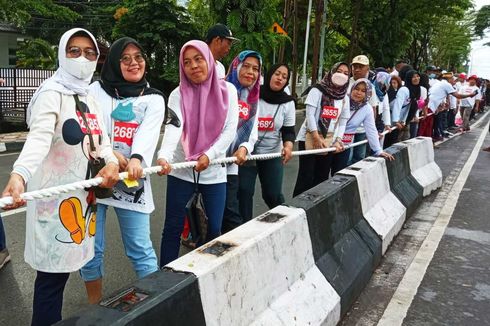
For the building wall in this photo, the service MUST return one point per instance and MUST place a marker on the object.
(8, 47)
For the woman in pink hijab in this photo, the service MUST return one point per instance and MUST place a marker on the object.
(208, 109)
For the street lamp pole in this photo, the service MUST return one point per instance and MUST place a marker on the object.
(304, 82)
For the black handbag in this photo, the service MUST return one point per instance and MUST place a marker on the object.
(96, 164)
(196, 213)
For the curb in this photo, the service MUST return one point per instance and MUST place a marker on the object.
(15, 146)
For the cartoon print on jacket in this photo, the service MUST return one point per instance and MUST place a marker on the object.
(71, 214)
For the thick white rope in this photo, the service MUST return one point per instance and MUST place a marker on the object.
(58, 190)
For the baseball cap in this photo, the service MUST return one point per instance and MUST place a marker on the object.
(447, 74)
(431, 67)
(462, 75)
(475, 77)
(220, 30)
(361, 59)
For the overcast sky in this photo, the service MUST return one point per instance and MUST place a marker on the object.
(479, 63)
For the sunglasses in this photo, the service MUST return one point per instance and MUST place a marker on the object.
(127, 58)
(75, 52)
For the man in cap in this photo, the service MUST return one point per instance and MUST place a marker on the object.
(219, 40)
(469, 105)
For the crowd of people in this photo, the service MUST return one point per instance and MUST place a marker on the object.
(81, 129)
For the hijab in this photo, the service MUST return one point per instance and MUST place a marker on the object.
(391, 91)
(275, 97)
(245, 126)
(403, 71)
(381, 84)
(328, 88)
(204, 106)
(354, 106)
(62, 81)
(415, 93)
(112, 80)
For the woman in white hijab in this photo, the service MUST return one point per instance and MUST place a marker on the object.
(65, 134)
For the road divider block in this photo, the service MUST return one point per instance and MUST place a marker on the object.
(380, 207)
(422, 165)
(345, 248)
(261, 273)
(402, 183)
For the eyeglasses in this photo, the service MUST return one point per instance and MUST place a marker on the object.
(75, 52)
(127, 58)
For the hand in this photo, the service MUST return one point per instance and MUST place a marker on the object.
(387, 156)
(388, 128)
(287, 152)
(339, 146)
(123, 161)
(318, 142)
(109, 174)
(399, 125)
(14, 188)
(202, 163)
(241, 155)
(166, 167)
(415, 119)
(134, 168)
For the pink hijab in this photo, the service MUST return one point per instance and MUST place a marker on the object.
(204, 106)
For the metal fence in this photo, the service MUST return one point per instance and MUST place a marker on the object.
(17, 90)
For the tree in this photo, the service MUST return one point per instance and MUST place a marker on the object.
(482, 21)
(37, 53)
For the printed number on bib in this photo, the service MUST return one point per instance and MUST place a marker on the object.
(266, 124)
(243, 110)
(124, 132)
(348, 138)
(92, 121)
(329, 112)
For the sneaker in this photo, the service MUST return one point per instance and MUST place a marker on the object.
(4, 257)
(486, 149)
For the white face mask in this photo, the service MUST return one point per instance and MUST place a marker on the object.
(339, 79)
(80, 67)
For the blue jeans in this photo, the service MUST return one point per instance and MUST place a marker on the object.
(414, 128)
(3, 242)
(178, 194)
(359, 152)
(48, 298)
(135, 233)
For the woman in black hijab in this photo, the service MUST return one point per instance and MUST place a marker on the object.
(134, 114)
(276, 120)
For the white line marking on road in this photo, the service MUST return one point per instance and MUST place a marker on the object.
(9, 154)
(13, 211)
(397, 309)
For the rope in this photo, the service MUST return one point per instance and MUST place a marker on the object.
(58, 190)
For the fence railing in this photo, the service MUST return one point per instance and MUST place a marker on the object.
(17, 90)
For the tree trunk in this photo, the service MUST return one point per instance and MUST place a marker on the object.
(295, 47)
(285, 26)
(319, 8)
(356, 12)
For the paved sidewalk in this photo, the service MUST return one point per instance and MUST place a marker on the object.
(13, 141)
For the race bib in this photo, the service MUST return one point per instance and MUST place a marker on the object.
(92, 121)
(329, 112)
(243, 110)
(266, 124)
(124, 132)
(348, 138)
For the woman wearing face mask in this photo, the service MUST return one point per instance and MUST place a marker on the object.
(66, 131)
(326, 117)
(208, 109)
(360, 112)
(244, 74)
(276, 118)
(135, 113)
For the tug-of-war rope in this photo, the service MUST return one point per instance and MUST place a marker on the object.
(61, 189)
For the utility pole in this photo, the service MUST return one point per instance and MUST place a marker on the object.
(304, 83)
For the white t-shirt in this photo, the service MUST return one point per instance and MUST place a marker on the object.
(469, 101)
(438, 93)
(220, 69)
(55, 153)
(313, 110)
(269, 134)
(172, 151)
(138, 136)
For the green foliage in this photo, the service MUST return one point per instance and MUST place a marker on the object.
(20, 12)
(36, 53)
(482, 20)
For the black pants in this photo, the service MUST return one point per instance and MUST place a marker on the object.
(48, 298)
(391, 138)
(231, 216)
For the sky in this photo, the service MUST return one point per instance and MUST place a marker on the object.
(478, 59)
